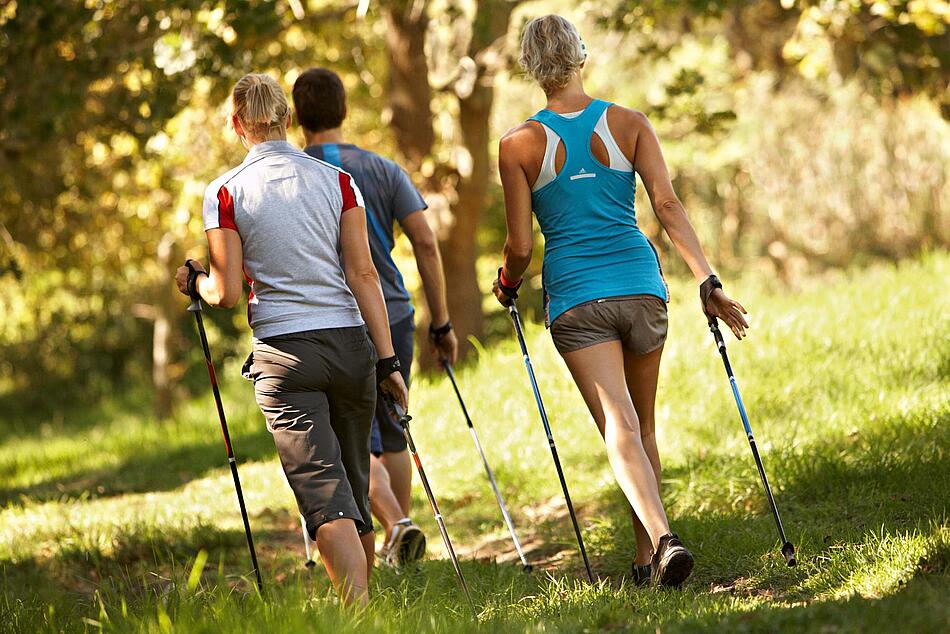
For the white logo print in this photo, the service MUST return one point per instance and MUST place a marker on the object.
(583, 174)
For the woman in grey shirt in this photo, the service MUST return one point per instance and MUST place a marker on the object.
(295, 228)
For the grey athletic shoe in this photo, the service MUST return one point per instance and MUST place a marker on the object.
(406, 544)
(671, 562)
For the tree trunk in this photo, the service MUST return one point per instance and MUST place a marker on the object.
(409, 94)
(460, 246)
(465, 185)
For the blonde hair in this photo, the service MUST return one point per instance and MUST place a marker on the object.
(259, 104)
(551, 51)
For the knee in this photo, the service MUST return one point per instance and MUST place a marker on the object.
(622, 432)
(622, 422)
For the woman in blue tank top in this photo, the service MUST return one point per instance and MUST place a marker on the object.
(573, 165)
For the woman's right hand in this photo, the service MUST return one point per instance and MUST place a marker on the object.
(394, 387)
(728, 310)
(183, 275)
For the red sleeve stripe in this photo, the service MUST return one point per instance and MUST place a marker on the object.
(346, 189)
(226, 209)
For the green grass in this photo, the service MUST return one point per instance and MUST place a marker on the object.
(121, 523)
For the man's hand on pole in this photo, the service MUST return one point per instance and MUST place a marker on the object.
(445, 344)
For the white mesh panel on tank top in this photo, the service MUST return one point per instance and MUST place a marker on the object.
(617, 159)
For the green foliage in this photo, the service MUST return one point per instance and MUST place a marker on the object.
(112, 121)
(110, 126)
(896, 47)
(107, 526)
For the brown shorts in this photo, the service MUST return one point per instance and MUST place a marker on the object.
(637, 321)
(317, 391)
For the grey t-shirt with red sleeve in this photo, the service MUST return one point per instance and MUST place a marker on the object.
(287, 206)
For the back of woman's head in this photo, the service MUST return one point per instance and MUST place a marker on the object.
(551, 51)
(259, 104)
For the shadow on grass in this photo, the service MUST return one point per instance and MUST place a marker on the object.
(918, 606)
(151, 560)
(59, 414)
(148, 564)
(153, 468)
(832, 497)
(837, 500)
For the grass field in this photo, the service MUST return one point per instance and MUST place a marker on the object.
(112, 521)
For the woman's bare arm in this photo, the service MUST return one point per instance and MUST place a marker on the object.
(520, 241)
(363, 280)
(223, 285)
(649, 163)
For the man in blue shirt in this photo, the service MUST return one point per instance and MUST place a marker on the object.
(390, 197)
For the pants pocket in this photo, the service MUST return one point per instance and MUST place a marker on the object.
(247, 370)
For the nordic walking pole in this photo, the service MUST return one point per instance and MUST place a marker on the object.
(195, 308)
(491, 476)
(788, 550)
(404, 419)
(516, 319)
(310, 563)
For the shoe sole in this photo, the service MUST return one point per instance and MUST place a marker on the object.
(675, 569)
(412, 546)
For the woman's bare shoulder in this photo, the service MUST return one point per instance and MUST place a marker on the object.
(524, 137)
(627, 117)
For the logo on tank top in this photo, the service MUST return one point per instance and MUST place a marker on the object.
(583, 174)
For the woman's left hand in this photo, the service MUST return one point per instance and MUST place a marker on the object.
(728, 310)
(181, 276)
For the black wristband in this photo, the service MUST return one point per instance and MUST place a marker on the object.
(385, 367)
(706, 289)
(509, 291)
(437, 334)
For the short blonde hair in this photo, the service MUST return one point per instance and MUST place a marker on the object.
(551, 51)
(259, 104)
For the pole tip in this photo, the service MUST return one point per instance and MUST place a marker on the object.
(527, 569)
(789, 551)
(310, 564)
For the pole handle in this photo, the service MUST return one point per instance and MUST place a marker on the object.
(717, 335)
(195, 306)
(401, 414)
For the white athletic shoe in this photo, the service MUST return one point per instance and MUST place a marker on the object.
(406, 544)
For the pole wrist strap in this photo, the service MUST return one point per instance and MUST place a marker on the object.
(706, 289)
(193, 280)
(503, 284)
(385, 367)
(438, 334)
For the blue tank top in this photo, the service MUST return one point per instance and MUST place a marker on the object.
(593, 248)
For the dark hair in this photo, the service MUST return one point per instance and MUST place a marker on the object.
(319, 99)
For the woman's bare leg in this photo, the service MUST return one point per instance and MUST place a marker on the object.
(369, 550)
(382, 500)
(344, 557)
(399, 466)
(599, 373)
(642, 372)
